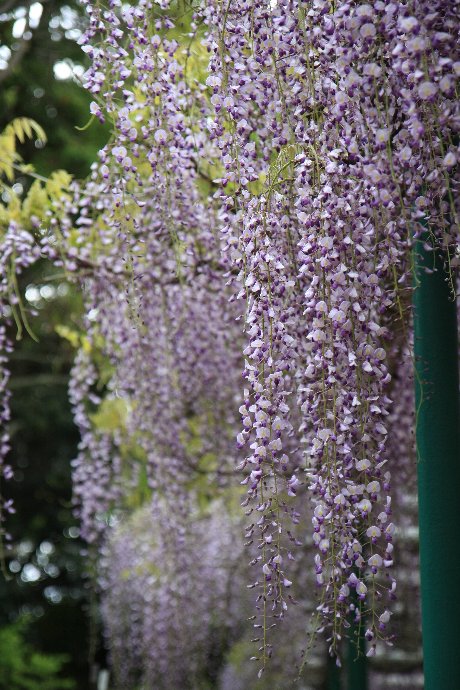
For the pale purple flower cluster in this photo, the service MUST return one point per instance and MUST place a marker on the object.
(161, 331)
(171, 599)
(347, 119)
(18, 251)
(97, 470)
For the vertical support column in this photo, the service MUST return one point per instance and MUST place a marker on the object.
(333, 674)
(357, 662)
(438, 466)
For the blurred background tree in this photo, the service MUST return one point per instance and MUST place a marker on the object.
(40, 67)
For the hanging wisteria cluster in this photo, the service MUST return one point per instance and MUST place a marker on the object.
(170, 624)
(155, 295)
(347, 116)
(18, 251)
(244, 243)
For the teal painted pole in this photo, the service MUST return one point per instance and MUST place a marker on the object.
(332, 674)
(357, 663)
(438, 465)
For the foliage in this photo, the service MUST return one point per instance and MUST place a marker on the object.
(24, 669)
(44, 194)
(30, 87)
(21, 128)
(43, 438)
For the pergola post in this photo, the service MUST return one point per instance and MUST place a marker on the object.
(438, 465)
(357, 662)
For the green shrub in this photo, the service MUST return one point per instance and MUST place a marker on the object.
(22, 668)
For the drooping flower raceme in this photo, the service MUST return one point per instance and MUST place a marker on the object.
(167, 617)
(18, 251)
(325, 109)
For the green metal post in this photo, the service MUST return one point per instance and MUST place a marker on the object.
(438, 465)
(357, 663)
(332, 674)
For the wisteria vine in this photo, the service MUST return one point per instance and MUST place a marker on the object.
(253, 214)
